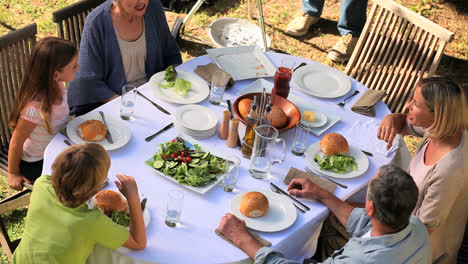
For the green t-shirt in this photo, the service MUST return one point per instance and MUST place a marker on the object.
(55, 233)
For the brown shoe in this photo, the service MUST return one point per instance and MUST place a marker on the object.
(343, 49)
(300, 24)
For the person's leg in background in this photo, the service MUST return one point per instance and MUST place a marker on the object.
(303, 20)
(351, 22)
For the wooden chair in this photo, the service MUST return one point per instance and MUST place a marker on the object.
(70, 19)
(397, 48)
(15, 48)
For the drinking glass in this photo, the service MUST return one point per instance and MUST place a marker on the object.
(218, 85)
(174, 207)
(301, 137)
(127, 103)
(265, 152)
(231, 173)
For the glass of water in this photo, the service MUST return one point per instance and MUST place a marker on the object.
(231, 173)
(127, 104)
(218, 85)
(301, 137)
(174, 207)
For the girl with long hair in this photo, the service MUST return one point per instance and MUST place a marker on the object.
(41, 108)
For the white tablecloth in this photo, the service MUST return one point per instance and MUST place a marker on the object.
(195, 240)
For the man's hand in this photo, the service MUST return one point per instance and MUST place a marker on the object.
(235, 230)
(15, 181)
(392, 125)
(304, 187)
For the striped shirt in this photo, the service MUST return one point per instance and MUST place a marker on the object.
(35, 144)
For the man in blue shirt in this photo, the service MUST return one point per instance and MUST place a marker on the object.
(382, 232)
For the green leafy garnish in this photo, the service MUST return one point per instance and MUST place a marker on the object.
(182, 87)
(120, 218)
(170, 74)
(339, 163)
(165, 86)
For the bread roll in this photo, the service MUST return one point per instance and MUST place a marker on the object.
(108, 201)
(334, 143)
(280, 119)
(254, 204)
(244, 107)
(92, 130)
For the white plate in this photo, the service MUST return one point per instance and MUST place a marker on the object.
(146, 214)
(321, 81)
(280, 215)
(191, 141)
(195, 134)
(244, 62)
(320, 120)
(119, 130)
(198, 92)
(360, 158)
(256, 87)
(196, 117)
(245, 33)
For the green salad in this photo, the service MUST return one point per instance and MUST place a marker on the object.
(181, 86)
(120, 218)
(340, 163)
(193, 167)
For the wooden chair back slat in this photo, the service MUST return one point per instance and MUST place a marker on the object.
(397, 48)
(15, 48)
(70, 19)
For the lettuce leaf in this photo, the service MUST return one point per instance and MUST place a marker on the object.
(182, 87)
(339, 163)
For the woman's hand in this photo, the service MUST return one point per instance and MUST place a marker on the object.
(127, 186)
(392, 125)
(15, 181)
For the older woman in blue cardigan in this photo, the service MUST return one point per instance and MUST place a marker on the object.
(123, 42)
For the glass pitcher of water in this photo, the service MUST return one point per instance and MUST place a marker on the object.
(265, 151)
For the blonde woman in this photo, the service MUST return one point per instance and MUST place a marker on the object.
(438, 112)
(59, 226)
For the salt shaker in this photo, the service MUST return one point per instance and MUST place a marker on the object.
(233, 134)
(224, 128)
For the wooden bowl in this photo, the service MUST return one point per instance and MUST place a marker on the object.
(291, 110)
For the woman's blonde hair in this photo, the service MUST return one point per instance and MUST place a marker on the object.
(77, 171)
(448, 101)
(49, 55)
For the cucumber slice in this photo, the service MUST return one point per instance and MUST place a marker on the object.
(195, 161)
(173, 164)
(205, 155)
(193, 165)
(196, 155)
(157, 164)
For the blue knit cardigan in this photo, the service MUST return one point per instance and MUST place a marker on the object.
(101, 74)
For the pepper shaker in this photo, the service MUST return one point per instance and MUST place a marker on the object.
(233, 134)
(224, 128)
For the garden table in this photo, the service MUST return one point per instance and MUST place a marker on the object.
(195, 240)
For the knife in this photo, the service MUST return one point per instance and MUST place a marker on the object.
(159, 132)
(285, 193)
(367, 153)
(108, 134)
(153, 103)
(326, 178)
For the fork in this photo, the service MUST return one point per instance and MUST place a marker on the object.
(347, 98)
(276, 191)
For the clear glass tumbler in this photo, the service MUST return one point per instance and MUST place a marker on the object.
(301, 137)
(127, 103)
(174, 207)
(218, 86)
(231, 174)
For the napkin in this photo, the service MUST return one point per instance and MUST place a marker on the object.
(206, 72)
(365, 104)
(294, 173)
(365, 135)
(254, 234)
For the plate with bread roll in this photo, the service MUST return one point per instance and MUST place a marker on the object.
(115, 206)
(334, 157)
(90, 128)
(264, 211)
